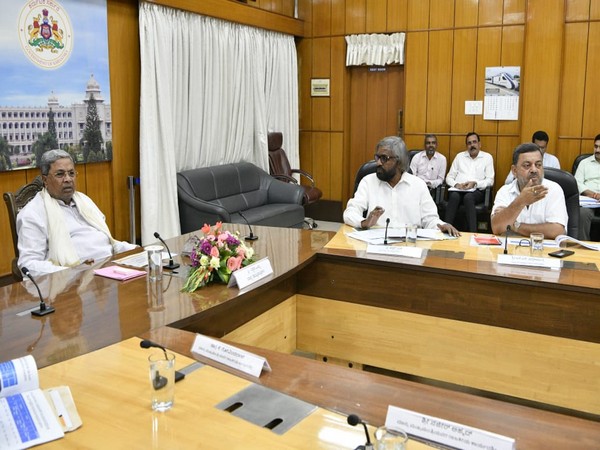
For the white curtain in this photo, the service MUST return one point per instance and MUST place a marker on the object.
(210, 92)
(374, 49)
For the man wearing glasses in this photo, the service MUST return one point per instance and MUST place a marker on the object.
(472, 171)
(393, 193)
(61, 227)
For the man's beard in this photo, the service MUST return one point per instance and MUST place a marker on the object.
(385, 175)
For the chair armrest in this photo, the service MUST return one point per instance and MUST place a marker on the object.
(488, 197)
(440, 194)
(285, 178)
(305, 174)
(204, 206)
(280, 192)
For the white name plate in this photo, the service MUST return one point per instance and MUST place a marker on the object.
(248, 275)
(391, 250)
(445, 432)
(230, 356)
(520, 260)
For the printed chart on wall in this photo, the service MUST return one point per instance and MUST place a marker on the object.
(54, 82)
(501, 99)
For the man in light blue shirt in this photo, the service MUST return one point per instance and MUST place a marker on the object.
(588, 181)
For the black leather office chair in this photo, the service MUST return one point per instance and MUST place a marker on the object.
(578, 159)
(569, 186)
(14, 203)
(595, 228)
(483, 210)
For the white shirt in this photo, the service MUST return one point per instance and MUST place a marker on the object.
(548, 161)
(550, 209)
(588, 175)
(429, 170)
(32, 229)
(464, 168)
(409, 202)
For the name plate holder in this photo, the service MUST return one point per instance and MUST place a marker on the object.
(248, 275)
(532, 261)
(391, 250)
(230, 356)
(445, 432)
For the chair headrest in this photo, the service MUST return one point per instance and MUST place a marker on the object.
(275, 139)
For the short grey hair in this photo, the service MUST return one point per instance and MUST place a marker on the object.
(397, 146)
(50, 157)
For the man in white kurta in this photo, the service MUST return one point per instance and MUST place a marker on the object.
(61, 227)
(392, 193)
(530, 204)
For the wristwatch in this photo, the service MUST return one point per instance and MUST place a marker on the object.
(516, 225)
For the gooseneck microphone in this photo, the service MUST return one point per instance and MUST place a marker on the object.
(354, 420)
(43, 309)
(251, 236)
(506, 240)
(387, 224)
(172, 265)
(145, 343)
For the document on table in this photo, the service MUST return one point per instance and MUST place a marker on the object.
(453, 189)
(376, 236)
(588, 202)
(139, 260)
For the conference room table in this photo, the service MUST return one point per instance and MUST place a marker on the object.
(454, 315)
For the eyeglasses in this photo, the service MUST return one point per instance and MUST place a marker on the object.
(61, 174)
(383, 158)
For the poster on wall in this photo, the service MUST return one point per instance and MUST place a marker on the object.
(54, 82)
(501, 99)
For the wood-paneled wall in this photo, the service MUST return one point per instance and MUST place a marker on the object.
(448, 45)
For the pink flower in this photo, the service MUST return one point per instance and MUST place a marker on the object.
(214, 252)
(218, 225)
(205, 229)
(240, 252)
(234, 263)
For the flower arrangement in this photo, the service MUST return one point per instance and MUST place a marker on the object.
(215, 257)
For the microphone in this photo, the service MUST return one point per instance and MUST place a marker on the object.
(148, 344)
(506, 240)
(354, 420)
(251, 236)
(387, 224)
(171, 265)
(43, 309)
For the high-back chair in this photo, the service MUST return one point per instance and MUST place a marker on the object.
(569, 186)
(280, 168)
(596, 219)
(14, 203)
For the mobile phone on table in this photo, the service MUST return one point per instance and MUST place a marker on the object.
(561, 253)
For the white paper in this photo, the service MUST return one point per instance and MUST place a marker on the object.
(376, 236)
(230, 356)
(18, 375)
(411, 252)
(445, 432)
(139, 260)
(588, 202)
(473, 108)
(532, 261)
(453, 189)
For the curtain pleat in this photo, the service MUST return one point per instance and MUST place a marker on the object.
(374, 49)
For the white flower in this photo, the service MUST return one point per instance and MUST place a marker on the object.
(215, 262)
(204, 260)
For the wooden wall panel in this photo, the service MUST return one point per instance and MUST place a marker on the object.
(573, 80)
(321, 19)
(337, 168)
(321, 168)
(376, 21)
(304, 51)
(514, 11)
(355, 16)
(397, 15)
(416, 69)
(595, 10)
(439, 81)
(489, 47)
(441, 14)
(490, 12)
(591, 111)
(512, 55)
(359, 152)
(338, 18)
(418, 15)
(321, 68)
(577, 10)
(540, 89)
(466, 13)
(395, 96)
(464, 67)
(377, 106)
(338, 86)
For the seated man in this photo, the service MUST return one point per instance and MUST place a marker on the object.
(472, 171)
(588, 181)
(530, 203)
(60, 227)
(541, 139)
(393, 193)
(429, 165)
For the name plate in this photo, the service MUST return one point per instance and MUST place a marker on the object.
(229, 355)
(521, 260)
(445, 432)
(390, 250)
(248, 275)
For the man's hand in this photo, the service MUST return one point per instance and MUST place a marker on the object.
(447, 228)
(533, 193)
(465, 186)
(373, 217)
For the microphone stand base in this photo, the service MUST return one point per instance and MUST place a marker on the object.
(251, 238)
(42, 312)
(171, 266)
